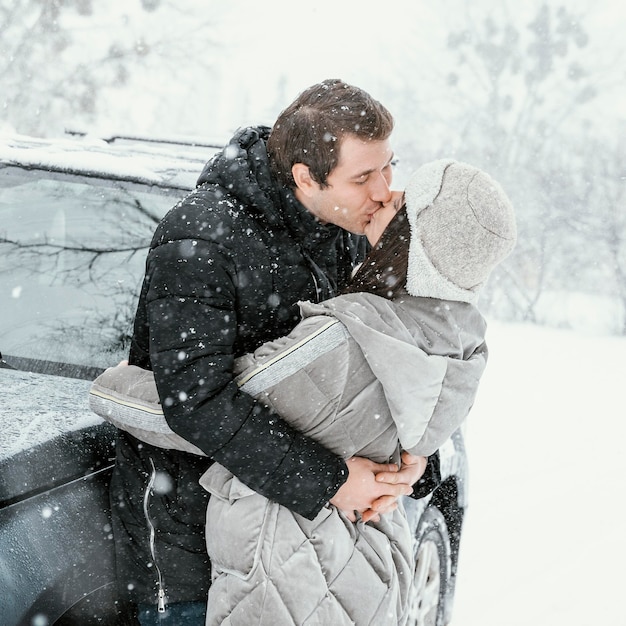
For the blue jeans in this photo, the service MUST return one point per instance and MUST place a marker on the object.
(176, 614)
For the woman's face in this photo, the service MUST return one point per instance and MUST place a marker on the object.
(383, 216)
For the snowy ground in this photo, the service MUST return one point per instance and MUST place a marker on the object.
(545, 538)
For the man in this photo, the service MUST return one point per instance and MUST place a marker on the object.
(276, 218)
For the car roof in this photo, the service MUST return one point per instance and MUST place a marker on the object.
(163, 162)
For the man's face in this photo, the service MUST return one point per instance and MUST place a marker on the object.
(357, 187)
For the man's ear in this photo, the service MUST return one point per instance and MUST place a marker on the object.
(302, 177)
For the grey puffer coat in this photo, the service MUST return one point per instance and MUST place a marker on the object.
(364, 376)
(359, 374)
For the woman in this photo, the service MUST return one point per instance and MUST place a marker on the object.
(391, 365)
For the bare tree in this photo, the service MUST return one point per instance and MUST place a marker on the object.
(603, 219)
(61, 66)
(525, 94)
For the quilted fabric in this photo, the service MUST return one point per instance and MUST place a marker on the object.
(377, 375)
(274, 567)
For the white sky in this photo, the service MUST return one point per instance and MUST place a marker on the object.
(245, 60)
(366, 41)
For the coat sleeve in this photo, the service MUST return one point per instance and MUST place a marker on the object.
(191, 315)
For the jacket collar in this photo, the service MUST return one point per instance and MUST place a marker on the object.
(242, 170)
(302, 224)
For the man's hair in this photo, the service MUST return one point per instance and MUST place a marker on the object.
(384, 270)
(311, 129)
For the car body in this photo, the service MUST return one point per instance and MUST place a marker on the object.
(76, 217)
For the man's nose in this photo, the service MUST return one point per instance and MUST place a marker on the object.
(379, 190)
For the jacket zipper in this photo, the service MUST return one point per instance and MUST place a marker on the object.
(318, 291)
(323, 286)
(161, 597)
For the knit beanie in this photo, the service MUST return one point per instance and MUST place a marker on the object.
(462, 226)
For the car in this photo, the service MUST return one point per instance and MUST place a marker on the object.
(76, 217)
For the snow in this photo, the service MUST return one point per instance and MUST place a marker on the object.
(543, 543)
(38, 407)
(544, 540)
(143, 163)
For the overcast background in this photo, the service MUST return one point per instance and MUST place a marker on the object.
(533, 92)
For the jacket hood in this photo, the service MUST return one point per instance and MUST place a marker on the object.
(410, 364)
(242, 170)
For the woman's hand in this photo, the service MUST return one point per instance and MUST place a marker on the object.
(363, 489)
(413, 468)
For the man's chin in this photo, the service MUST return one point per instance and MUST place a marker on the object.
(356, 230)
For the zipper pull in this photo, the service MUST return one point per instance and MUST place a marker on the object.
(161, 601)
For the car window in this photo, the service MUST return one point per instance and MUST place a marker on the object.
(72, 255)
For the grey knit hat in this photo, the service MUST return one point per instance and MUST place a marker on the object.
(462, 226)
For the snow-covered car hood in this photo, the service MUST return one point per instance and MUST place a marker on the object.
(38, 407)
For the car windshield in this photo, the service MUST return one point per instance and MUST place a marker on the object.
(72, 255)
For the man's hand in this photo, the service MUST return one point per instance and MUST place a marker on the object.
(413, 468)
(363, 490)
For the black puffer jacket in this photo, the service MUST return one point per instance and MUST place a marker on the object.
(224, 272)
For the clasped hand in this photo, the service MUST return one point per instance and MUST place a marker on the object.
(373, 489)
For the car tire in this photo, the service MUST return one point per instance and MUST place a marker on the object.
(431, 577)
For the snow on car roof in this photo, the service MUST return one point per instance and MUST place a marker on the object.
(175, 165)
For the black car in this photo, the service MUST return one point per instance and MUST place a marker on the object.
(76, 217)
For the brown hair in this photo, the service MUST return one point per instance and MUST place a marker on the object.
(310, 130)
(384, 270)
